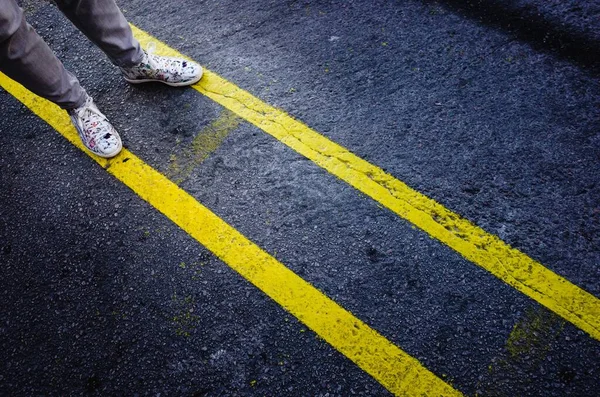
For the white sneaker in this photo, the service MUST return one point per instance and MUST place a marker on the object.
(95, 131)
(171, 71)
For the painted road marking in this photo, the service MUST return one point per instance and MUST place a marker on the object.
(397, 371)
(182, 164)
(475, 244)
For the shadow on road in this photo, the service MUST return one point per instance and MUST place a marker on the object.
(574, 41)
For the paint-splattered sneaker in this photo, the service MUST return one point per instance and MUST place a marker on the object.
(172, 71)
(96, 133)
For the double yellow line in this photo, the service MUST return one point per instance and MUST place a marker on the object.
(478, 246)
(393, 368)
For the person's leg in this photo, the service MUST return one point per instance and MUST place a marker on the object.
(104, 24)
(27, 59)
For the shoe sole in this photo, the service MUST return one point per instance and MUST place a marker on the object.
(182, 84)
(106, 155)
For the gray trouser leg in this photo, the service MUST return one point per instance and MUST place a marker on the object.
(104, 24)
(27, 59)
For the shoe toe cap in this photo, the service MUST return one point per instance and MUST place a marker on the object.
(109, 145)
(192, 70)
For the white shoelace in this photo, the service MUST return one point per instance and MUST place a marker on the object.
(168, 64)
(88, 110)
(88, 114)
(150, 53)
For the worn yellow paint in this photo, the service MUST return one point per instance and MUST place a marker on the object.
(206, 142)
(482, 248)
(393, 368)
(532, 337)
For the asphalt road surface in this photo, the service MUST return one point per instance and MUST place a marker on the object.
(490, 108)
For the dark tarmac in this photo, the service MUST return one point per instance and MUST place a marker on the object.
(490, 108)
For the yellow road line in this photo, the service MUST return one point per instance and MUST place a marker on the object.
(389, 365)
(482, 248)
